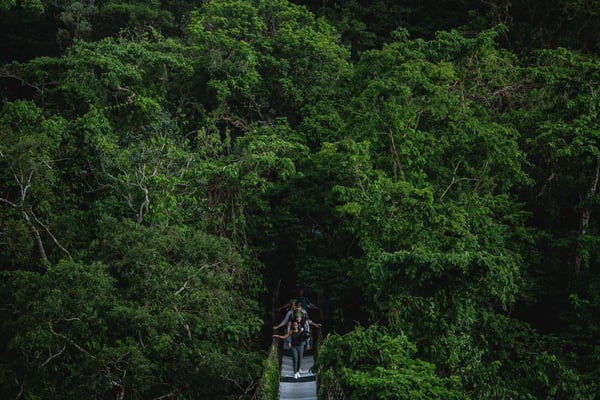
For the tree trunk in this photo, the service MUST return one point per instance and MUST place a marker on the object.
(584, 221)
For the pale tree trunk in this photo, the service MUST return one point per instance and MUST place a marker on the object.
(584, 221)
(38, 238)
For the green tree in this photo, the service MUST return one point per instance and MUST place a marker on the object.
(371, 364)
(182, 315)
(560, 136)
(266, 60)
(431, 198)
(29, 158)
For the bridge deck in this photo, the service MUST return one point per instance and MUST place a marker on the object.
(303, 388)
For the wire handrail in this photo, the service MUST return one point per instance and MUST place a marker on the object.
(274, 356)
(263, 390)
(331, 388)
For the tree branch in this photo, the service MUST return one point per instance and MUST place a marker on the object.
(170, 394)
(47, 229)
(182, 288)
(454, 180)
(21, 389)
(38, 237)
(53, 355)
(70, 341)
(6, 201)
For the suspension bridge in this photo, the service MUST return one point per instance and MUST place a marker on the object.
(279, 382)
(304, 387)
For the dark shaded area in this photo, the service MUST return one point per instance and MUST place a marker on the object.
(26, 35)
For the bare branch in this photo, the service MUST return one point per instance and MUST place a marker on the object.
(397, 164)
(38, 237)
(455, 180)
(547, 183)
(143, 210)
(121, 394)
(20, 389)
(5, 73)
(47, 229)
(6, 201)
(170, 395)
(182, 288)
(236, 383)
(70, 341)
(53, 355)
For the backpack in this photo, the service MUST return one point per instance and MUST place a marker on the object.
(304, 335)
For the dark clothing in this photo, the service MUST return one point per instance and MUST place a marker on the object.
(297, 340)
(297, 350)
(305, 302)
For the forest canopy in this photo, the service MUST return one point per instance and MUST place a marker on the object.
(169, 170)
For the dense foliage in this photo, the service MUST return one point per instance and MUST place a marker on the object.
(428, 169)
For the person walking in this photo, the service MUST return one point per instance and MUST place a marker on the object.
(306, 303)
(298, 339)
(289, 316)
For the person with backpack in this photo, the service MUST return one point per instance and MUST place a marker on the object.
(289, 316)
(298, 336)
(306, 303)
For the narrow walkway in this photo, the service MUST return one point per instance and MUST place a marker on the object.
(303, 388)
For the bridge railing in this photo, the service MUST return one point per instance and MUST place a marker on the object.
(268, 386)
(328, 386)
